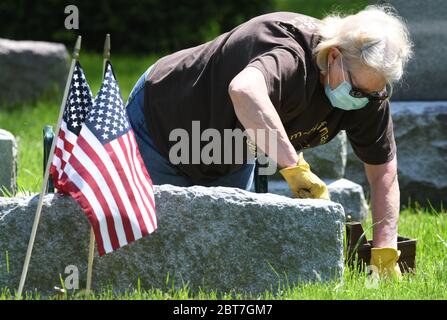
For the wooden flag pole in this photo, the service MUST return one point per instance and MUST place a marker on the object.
(43, 190)
(91, 250)
(91, 255)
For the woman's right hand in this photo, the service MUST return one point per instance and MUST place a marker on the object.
(303, 183)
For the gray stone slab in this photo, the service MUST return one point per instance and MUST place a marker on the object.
(349, 194)
(8, 162)
(415, 10)
(30, 69)
(427, 72)
(420, 130)
(328, 161)
(355, 170)
(217, 238)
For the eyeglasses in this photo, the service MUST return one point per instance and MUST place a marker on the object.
(372, 96)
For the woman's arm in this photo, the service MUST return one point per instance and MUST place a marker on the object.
(249, 94)
(385, 201)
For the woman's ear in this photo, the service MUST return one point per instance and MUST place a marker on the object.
(333, 54)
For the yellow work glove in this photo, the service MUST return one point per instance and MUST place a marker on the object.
(304, 183)
(384, 262)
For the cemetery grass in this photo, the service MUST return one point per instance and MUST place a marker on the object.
(428, 226)
(26, 121)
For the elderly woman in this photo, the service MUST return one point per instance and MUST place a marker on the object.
(304, 79)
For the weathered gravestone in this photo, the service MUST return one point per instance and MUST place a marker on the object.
(427, 71)
(349, 194)
(216, 238)
(420, 130)
(328, 161)
(419, 126)
(30, 69)
(8, 162)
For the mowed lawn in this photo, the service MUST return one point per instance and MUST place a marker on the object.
(426, 225)
(26, 121)
(430, 281)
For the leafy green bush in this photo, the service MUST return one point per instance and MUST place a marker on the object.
(145, 26)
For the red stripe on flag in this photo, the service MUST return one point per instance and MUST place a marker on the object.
(54, 175)
(140, 158)
(132, 173)
(58, 153)
(88, 210)
(67, 144)
(125, 180)
(85, 174)
(87, 148)
(139, 161)
(146, 192)
(56, 172)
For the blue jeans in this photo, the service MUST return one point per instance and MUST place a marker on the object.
(159, 168)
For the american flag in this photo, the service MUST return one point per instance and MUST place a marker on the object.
(78, 105)
(106, 175)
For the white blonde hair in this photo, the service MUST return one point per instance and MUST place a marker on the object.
(375, 37)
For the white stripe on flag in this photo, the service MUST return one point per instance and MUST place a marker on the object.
(142, 180)
(57, 161)
(120, 155)
(69, 136)
(149, 186)
(104, 188)
(101, 152)
(96, 206)
(139, 168)
(65, 153)
(136, 179)
(57, 164)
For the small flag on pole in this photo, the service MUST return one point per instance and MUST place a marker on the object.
(48, 166)
(106, 175)
(79, 102)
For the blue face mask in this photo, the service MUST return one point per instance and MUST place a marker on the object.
(340, 97)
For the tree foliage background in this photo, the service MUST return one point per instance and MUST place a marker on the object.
(135, 25)
(144, 26)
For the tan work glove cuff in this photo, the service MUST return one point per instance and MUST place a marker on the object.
(302, 163)
(385, 260)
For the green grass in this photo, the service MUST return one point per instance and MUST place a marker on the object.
(27, 121)
(429, 227)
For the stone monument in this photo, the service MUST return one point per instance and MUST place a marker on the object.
(419, 108)
(214, 238)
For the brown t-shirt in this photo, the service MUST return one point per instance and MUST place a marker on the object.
(192, 85)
